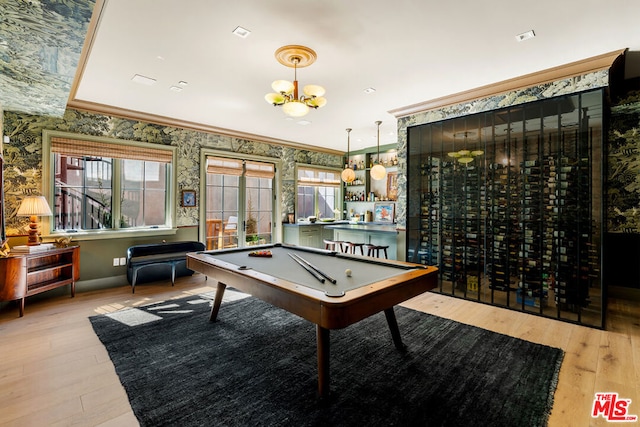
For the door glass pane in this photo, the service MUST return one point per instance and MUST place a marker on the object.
(259, 211)
(235, 222)
(222, 200)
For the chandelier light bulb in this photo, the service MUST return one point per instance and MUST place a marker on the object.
(295, 109)
(313, 90)
(282, 86)
(317, 102)
(274, 98)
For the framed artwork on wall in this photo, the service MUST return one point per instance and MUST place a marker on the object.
(392, 185)
(188, 199)
(383, 212)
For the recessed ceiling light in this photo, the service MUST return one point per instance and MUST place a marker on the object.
(525, 36)
(241, 32)
(143, 80)
(175, 88)
(369, 90)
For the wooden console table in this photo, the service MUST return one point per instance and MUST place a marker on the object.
(23, 275)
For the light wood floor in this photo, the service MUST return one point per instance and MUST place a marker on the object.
(55, 372)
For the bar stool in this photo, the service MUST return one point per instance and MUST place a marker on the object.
(333, 245)
(374, 250)
(350, 248)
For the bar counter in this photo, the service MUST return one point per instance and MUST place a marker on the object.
(313, 234)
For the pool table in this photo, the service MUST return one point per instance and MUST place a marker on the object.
(374, 285)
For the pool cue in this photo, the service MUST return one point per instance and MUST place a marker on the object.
(326, 276)
(309, 269)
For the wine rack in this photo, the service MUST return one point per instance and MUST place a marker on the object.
(518, 223)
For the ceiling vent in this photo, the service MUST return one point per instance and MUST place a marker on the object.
(525, 36)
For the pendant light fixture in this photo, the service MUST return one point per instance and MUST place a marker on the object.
(378, 171)
(286, 92)
(348, 175)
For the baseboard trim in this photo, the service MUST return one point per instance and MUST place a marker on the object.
(101, 283)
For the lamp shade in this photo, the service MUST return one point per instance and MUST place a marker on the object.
(313, 90)
(295, 109)
(318, 102)
(282, 86)
(34, 206)
(378, 172)
(348, 175)
(274, 98)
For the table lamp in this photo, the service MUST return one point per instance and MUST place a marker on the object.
(33, 207)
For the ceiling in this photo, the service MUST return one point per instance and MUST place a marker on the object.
(409, 51)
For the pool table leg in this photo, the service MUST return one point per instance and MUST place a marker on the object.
(217, 301)
(393, 326)
(324, 378)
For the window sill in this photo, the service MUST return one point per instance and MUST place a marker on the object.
(113, 234)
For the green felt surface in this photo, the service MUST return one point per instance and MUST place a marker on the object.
(282, 266)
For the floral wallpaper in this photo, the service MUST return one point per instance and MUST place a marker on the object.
(23, 156)
(623, 166)
(41, 46)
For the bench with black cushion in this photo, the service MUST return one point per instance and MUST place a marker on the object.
(154, 261)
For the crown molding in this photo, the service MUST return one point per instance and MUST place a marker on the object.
(585, 66)
(184, 124)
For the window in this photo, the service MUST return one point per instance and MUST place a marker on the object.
(239, 189)
(105, 184)
(318, 192)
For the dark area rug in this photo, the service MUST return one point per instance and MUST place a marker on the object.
(256, 366)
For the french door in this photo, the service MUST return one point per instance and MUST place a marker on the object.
(239, 202)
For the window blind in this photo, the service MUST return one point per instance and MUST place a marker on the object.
(259, 169)
(310, 176)
(225, 166)
(228, 166)
(83, 148)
